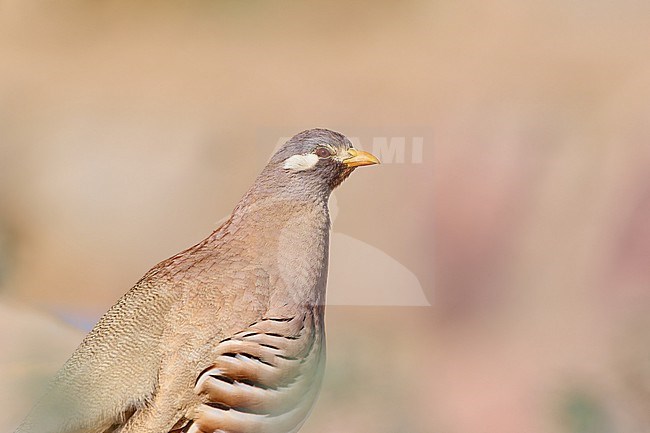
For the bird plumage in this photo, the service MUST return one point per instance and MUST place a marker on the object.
(226, 336)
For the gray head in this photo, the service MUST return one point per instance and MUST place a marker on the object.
(312, 163)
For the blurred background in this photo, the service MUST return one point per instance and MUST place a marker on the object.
(515, 198)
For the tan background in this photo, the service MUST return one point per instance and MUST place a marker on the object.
(127, 131)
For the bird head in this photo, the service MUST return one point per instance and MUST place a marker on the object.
(316, 161)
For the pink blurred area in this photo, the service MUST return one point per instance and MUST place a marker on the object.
(127, 131)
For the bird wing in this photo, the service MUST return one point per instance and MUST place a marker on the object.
(113, 371)
(264, 378)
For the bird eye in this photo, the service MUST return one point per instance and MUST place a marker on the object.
(323, 152)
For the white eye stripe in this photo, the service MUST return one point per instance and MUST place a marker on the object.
(301, 162)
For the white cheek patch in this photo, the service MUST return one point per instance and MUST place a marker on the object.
(301, 162)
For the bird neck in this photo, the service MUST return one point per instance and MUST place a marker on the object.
(289, 237)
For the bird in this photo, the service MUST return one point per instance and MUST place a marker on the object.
(227, 336)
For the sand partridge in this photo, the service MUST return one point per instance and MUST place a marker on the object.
(228, 335)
